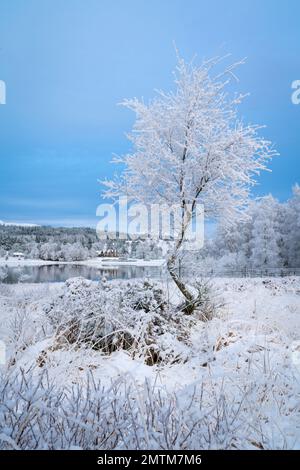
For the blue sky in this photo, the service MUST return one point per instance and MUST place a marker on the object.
(67, 63)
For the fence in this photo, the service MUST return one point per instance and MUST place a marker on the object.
(245, 272)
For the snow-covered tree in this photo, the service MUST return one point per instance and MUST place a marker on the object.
(265, 234)
(284, 221)
(267, 237)
(293, 226)
(189, 147)
(231, 245)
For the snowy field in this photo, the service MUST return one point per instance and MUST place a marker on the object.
(232, 382)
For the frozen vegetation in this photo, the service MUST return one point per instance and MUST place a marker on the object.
(267, 237)
(186, 362)
(116, 365)
(69, 244)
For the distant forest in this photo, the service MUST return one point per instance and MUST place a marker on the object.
(68, 244)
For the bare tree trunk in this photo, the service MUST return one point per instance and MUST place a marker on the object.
(171, 265)
(181, 285)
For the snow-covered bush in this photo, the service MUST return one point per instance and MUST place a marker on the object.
(24, 323)
(252, 413)
(238, 389)
(204, 305)
(108, 316)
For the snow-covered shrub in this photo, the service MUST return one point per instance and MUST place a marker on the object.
(34, 414)
(108, 316)
(207, 302)
(145, 295)
(253, 413)
(23, 324)
(204, 305)
(239, 388)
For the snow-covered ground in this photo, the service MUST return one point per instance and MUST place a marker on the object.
(103, 262)
(245, 362)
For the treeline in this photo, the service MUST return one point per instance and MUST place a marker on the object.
(68, 244)
(268, 236)
(47, 242)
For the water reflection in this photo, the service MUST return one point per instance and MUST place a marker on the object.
(62, 272)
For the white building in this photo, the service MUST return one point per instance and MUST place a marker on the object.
(18, 255)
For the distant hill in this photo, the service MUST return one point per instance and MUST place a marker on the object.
(17, 224)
